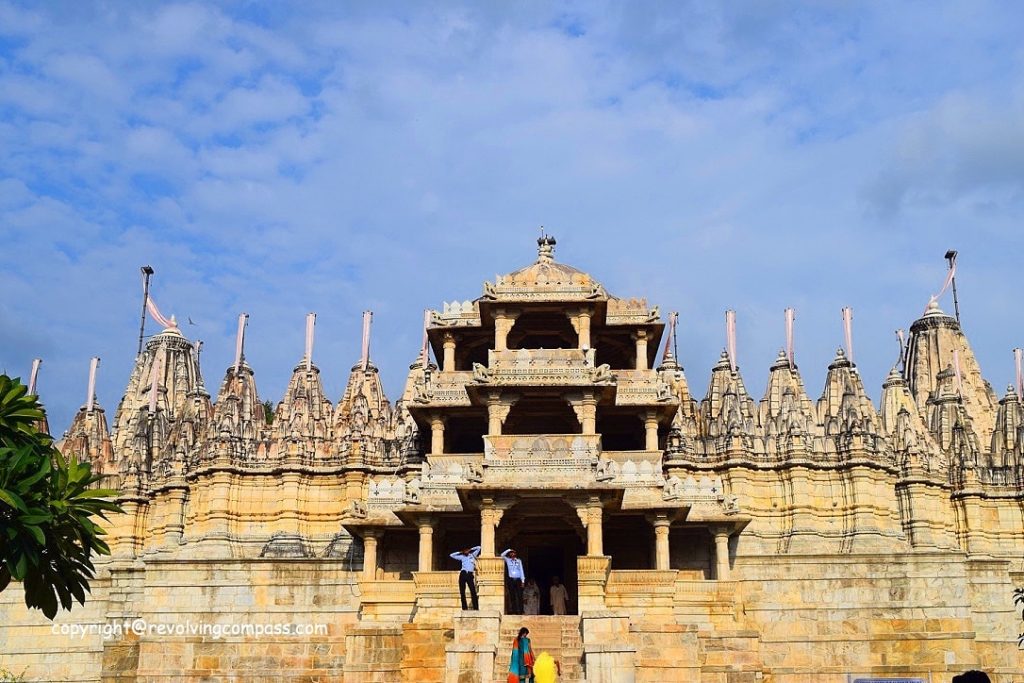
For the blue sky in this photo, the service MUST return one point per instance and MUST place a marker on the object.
(278, 159)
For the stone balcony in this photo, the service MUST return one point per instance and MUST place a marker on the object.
(522, 448)
(642, 388)
(445, 389)
(542, 367)
(551, 459)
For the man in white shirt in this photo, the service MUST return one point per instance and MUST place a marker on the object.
(514, 580)
(467, 575)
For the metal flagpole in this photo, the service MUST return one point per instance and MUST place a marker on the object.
(147, 272)
(951, 258)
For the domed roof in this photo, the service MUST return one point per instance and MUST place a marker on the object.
(545, 276)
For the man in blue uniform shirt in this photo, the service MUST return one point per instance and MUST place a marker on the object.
(514, 580)
(467, 575)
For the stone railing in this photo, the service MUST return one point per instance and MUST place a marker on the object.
(651, 590)
(630, 312)
(445, 389)
(387, 599)
(519, 448)
(437, 589)
(571, 367)
(456, 313)
(631, 468)
(641, 387)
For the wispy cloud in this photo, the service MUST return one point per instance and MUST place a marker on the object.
(329, 157)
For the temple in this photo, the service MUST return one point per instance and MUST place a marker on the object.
(715, 539)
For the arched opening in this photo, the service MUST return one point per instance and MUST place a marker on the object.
(543, 331)
(548, 536)
(541, 415)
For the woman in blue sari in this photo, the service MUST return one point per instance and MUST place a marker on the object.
(520, 669)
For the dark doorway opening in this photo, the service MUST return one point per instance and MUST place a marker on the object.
(547, 534)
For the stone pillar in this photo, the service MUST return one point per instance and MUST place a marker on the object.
(426, 526)
(721, 552)
(662, 525)
(583, 329)
(487, 527)
(589, 421)
(640, 337)
(370, 538)
(650, 419)
(436, 434)
(595, 528)
(584, 404)
(503, 322)
(448, 364)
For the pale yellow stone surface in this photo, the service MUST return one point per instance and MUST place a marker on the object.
(856, 540)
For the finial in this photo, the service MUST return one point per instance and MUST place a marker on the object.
(545, 247)
(425, 351)
(790, 317)
(1018, 361)
(90, 399)
(243, 320)
(730, 337)
(848, 331)
(34, 375)
(310, 322)
(364, 358)
(174, 322)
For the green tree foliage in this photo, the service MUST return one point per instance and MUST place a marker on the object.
(47, 530)
(268, 411)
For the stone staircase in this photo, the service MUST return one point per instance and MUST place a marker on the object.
(558, 636)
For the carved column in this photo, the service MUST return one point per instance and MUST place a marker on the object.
(662, 525)
(488, 523)
(640, 337)
(436, 434)
(721, 552)
(584, 404)
(595, 527)
(650, 419)
(448, 364)
(370, 538)
(503, 322)
(426, 526)
(580, 320)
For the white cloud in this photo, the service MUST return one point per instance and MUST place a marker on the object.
(334, 158)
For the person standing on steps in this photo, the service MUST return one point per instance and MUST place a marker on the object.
(531, 598)
(467, 576)
(558, 596)
(515, 577)
(520, 669)
(547, 669)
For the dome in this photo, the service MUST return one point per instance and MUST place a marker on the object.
(545, 275)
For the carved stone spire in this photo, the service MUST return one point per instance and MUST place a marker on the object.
(903, 424)
(727, 412)
(1008, 437)
(786, 414)
(934, 339)
(178, 378)
(236, 432)
(851, 423)
(363, 416)
(304, 420)
(88, 440)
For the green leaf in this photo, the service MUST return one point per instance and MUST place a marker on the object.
(13, 500)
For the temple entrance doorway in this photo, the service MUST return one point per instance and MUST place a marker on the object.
(548, 536)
